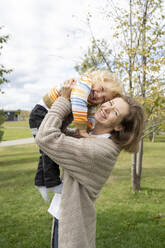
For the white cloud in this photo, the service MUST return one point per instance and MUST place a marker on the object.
(15, 98)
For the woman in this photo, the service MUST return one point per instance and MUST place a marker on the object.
(87, 162)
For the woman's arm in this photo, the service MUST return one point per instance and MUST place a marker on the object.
(70, 153)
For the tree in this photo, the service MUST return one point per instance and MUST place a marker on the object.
(3, 72)
(143, 47)
(139, 37)
(97, 56)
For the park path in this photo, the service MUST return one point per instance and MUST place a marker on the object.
(17, 142)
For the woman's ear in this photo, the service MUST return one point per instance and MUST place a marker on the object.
(118, 128)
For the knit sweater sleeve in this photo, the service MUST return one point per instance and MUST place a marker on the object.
(74, 155)
(79, 102)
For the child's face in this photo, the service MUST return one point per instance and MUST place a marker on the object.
(100, 93)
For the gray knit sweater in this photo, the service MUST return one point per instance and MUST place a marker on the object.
(87, 164)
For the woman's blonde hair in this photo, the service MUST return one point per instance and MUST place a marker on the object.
(104, 76)
(133, 127)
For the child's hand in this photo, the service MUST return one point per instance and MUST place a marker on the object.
(67, 88)
(84, 134)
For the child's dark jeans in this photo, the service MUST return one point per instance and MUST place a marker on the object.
(48, 173)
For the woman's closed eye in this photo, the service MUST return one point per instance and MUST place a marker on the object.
(111, 103)
(116, 113)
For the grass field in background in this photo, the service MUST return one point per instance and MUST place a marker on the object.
(15, 130)
(20, 129)
(24, 124)
(124, 219)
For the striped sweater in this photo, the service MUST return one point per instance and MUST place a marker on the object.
(83, 112)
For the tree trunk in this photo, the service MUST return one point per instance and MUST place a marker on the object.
(139, 165)
(134, 156)
(153, 137)
(133, 171)
(144, 63)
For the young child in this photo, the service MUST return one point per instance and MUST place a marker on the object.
(92, 89)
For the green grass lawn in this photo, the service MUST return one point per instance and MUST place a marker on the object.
(16, 124)
(124, 219)
(15, 130)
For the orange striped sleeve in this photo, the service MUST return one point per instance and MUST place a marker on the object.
(54, 94)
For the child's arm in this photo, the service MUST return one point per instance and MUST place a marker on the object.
(54, 93)
(52, 96)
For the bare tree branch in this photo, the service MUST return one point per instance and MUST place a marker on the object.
(149, 133)
(102, 54)
(118, 16)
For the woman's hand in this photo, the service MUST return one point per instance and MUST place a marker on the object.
(67, 88)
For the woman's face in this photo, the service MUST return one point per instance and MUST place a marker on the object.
(111, 113)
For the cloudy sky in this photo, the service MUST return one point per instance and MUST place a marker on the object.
(47, 39)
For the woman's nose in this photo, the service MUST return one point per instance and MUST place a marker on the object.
(108, 108)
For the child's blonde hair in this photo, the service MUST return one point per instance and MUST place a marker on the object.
(104, 76)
